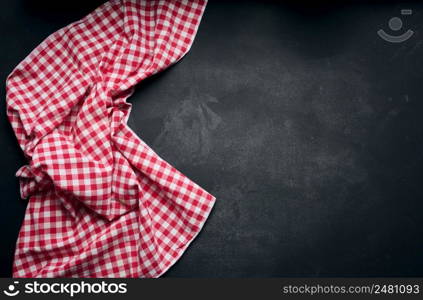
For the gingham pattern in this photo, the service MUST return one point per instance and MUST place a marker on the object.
(102, 203)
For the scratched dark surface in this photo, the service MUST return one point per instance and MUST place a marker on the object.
(304, 124)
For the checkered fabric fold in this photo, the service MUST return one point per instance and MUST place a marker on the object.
(102, 203)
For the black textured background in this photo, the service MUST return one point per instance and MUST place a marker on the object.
(304, 124)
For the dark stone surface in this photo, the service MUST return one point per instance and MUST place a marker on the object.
(303, 123)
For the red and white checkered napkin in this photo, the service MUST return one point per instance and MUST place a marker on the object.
(101, 202)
